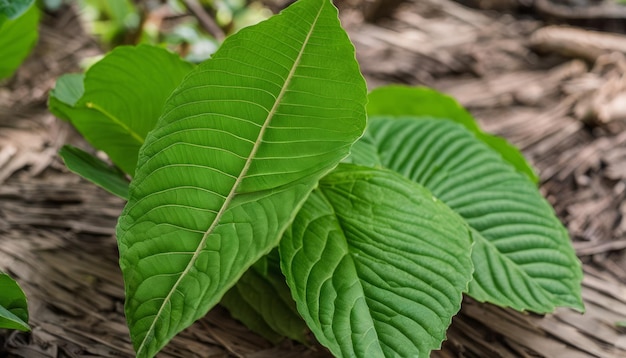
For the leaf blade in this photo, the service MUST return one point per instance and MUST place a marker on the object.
(265, 292)
(67, 90)
(15, 8)
(376, 265)
(120, 99)
(95, 170)
(13, 305)
(17, 37)
(232, 153)
(398, 101)
(523, 257)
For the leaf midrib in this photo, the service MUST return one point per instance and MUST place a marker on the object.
(233, 190)
(503, 257)
(117, 121)
(349, 256)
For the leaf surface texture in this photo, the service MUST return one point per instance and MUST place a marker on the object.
(376, 264)
(523, 257)
(238, 148)
(120, 99)
(395, 101)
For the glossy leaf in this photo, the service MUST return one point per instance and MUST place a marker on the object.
(394, 101)
(17, 38)
(95, 170)
(240, 145)
(120, 99)
(523, 257)
(376, 264)
(13, 306)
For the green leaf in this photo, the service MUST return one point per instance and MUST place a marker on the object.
(13, 307)
(523, 257)
(17, 38)
(240, 145)
(68, 89)
(249, 315)
(95, 170)
(395, 101)
(376, 264)
(12, 9)
(120, 100)
(265, 291)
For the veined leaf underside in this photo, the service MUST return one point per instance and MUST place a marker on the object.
(237, 149)
(238, 180)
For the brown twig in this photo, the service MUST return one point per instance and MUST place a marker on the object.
(206, 21)
(576, 42)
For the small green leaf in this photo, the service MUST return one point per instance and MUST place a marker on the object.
(239, 146)
(376, 264)
(249, 315)
(523, 257)
(17, 38)
(397, 101)
(120, 99)
(267, 294)
(69, 89)
(95, 170)
(12, 9)
(13, 306)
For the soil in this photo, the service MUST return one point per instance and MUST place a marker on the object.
(527, 70)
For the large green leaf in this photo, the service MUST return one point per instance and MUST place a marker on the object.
(394, 101)
(376, 264)
(13, 307)
(17, 38)
(264, 291)
(240, 145)
(522, 257)
(95, 170)
(120, 100)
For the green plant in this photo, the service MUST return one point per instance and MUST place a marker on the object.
(18, 34)
(379, 230)
(13, 307)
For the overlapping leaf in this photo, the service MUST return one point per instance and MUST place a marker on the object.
(119, 99)
(522, 257)
(376, 264)
(238, 148)
(422, 101)
(262, 301)
(95, 170)
(13, 306)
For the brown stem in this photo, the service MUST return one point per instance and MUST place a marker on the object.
(206, 20)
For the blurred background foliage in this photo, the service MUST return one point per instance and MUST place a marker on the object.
(192, 28)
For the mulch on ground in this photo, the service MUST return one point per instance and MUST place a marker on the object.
(563, 102)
